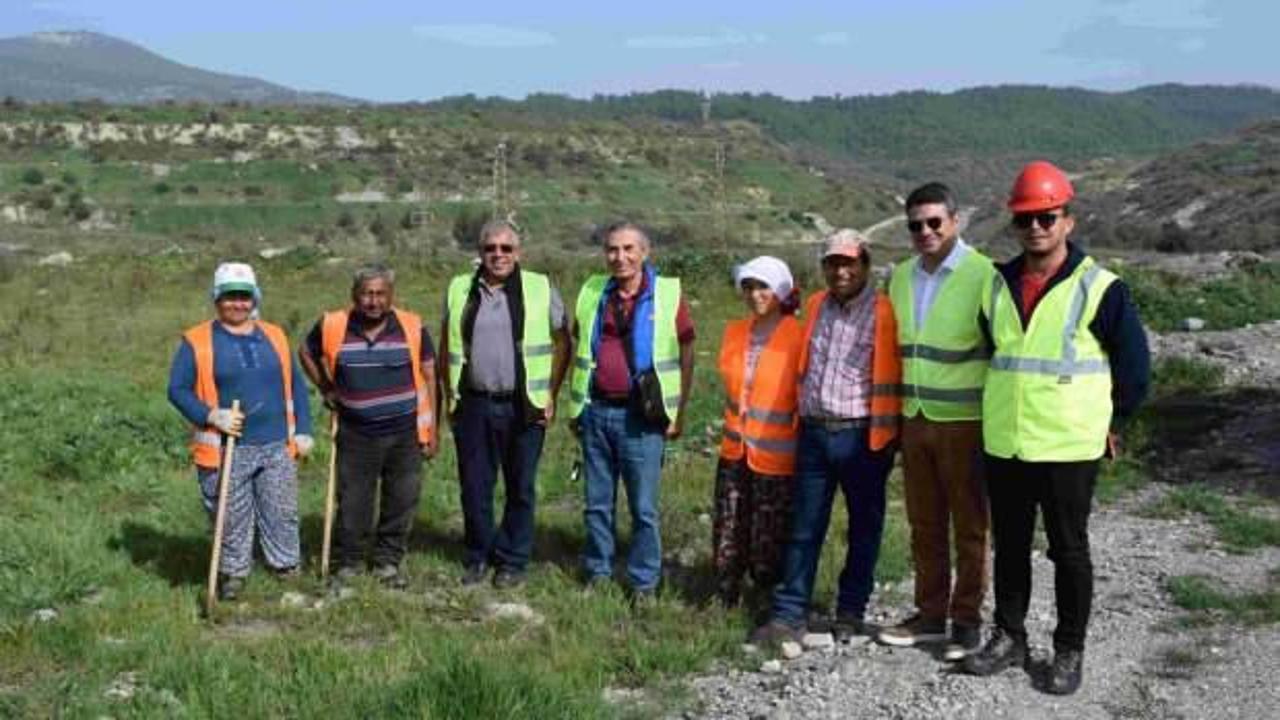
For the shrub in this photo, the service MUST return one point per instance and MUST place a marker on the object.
(32, 176)
(161, 188)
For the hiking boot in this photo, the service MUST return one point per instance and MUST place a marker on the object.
(774, 633)
(1001, 651)
(1065, 673)
(847, 627)
(508, 578)
(474, 574)
(391, 577)
(229, 588)
(914, 630)
(965, 641)
(345, 574)
(286, 574)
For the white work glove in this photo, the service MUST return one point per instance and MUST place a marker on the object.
(230, 422)
(305, 444)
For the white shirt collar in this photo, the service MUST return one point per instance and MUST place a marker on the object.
(949, 263)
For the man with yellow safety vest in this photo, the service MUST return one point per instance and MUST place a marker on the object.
(850, 411)
(237, 356)
(504, 350)
(936, 296)
(375, 366)
(1070, 361)
(631, 375)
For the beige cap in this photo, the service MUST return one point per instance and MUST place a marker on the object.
(847, 242)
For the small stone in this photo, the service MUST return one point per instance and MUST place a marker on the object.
(818, 641)
(514, 611)
(123, 687)
(272, 253)
(45, 615)
(1192, 324)
(293, 600)
(772, 667)
(791, 650)
(749, 649)
(58, 259)
(704, 519)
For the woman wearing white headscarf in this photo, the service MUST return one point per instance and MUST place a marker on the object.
(759, 358)
(236, 356)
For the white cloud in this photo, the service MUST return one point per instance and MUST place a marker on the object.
(838, 37)
(1162, 14)
(485, 36)
(688, 42)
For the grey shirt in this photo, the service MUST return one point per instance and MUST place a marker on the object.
(491, 360)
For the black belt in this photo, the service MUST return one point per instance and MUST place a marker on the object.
(835, 424)
(503, 396)
(612, 400)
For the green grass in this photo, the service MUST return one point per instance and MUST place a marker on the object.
(1185, 375)
(1249, 295)
(1204, 597)
(102, 522)
(1238, 529)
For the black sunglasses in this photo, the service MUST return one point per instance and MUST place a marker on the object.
(915, 226)
(502, 248)
(1045, 220)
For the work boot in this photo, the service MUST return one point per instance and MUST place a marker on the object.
(229, 588)
(508, 578)
(1065, 673)
(914, 630)
(391, 577)
(965, 641)
(1001, 651)
(847, 627)
(474, 574)
(774, 633)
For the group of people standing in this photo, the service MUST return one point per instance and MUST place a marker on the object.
(1001, 383)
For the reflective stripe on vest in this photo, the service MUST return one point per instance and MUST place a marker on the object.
(666, 344)
(1048, 392)
(206, 441)
(761, 423)
(944, 363)
(535, 349)
(886, 366)
(333, 330)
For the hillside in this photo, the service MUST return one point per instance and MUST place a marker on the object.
(65, 66)
(1216, 195)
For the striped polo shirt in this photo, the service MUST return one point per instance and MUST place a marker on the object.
(374, 379)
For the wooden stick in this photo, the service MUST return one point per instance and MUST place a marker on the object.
(329, 494)
(224, 484)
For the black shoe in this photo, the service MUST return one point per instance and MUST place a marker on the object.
(965, 641)
(1001, 651)
(1065, 673)
(344, 574)
(508, 578)
(847, 627)
(775, 632)
(391, 577)
(229, 588)
(475, 574)
(287, 574)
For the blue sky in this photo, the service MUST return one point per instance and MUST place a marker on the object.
(399, 50)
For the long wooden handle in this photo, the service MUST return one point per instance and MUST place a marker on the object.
(329, 495)
(220, 518)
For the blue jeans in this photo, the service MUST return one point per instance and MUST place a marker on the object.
(826, 459)
(491, 435)
(616, 442)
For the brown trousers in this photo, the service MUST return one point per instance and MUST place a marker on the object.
(945, 493)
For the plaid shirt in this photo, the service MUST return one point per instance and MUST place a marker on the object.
(837, 382)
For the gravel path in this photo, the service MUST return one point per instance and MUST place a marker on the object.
(1140, 663)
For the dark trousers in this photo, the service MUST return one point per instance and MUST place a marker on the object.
(1063, 492)
(749, 527)
(827, 459)
(362, 461)
(492, 434)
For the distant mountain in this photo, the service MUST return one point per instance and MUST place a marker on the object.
(64, 66)
(1216, 195)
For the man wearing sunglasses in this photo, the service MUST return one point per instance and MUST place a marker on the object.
(936, 297)
(503, 354)
(1070, 362)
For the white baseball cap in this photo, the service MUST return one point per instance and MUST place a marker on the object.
(234, 277)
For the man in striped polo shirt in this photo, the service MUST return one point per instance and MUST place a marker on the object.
(374, 364)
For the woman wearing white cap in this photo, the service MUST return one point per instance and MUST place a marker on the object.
(238, 357)
(759, 358)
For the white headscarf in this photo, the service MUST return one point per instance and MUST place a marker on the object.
(769, 270)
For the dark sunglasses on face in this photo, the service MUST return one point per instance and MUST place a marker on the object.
(1045, 220)
(916, 226)
(502, 248)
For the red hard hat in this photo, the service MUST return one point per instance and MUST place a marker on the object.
(1040, 186)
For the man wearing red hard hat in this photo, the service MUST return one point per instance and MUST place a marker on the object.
(1069, 363)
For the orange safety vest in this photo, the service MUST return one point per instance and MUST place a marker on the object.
(886, 366)
(761, 423)
(206, 440)
(333, 330)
